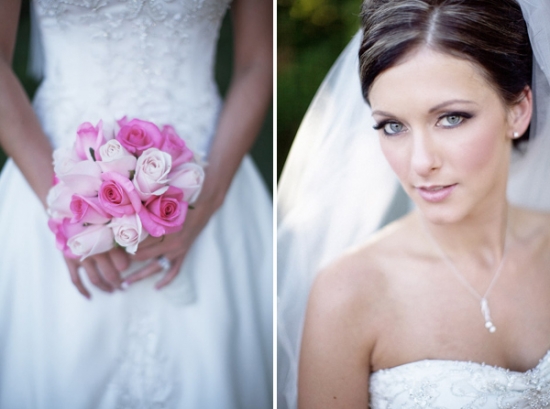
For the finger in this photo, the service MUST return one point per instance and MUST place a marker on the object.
(75, 278)
(120, 259)
(150, 241)
(94, 276)
(150, 269)
(107, 270)
(154, 250)
(171, 274)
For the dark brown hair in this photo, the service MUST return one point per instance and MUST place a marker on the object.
(490, 33)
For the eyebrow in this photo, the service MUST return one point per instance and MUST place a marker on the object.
(433, 109)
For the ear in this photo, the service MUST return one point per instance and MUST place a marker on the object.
(519, 115)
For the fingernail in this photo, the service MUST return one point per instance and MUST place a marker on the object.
(124, 285)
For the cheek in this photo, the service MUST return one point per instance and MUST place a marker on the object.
(397, 157)
(481, 150)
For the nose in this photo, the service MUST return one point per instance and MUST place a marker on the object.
(425, 156)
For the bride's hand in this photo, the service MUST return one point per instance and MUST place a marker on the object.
(103, 270)
(176, 245)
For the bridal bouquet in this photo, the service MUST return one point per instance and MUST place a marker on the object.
(116, 187)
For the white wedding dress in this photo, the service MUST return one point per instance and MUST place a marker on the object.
(205, 341)
(442, 384)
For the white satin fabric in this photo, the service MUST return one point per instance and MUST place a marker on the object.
(337, 188)
(205, 340)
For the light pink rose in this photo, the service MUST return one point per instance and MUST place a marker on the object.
(128, 232)
(89, 137)
(175, 146)
(118, 196)
(189, 177)
(152, 170)
(115, 158)
(164, 214)
(64, 159)
(137, 135)
(94, 239)
(84, 178)
(59, 201)
(88, 210)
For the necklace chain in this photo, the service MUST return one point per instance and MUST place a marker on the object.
(482, 299)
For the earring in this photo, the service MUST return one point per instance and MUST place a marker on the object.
(516, 135)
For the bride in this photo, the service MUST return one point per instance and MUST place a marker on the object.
(449, 305)
(187, 321)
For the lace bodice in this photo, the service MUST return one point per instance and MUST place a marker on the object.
(152, 59)
(440, 384)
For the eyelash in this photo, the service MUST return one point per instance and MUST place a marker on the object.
(463, 115)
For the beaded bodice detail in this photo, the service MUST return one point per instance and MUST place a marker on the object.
(152, 59)
(441, 384)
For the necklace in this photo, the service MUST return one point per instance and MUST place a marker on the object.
(482, 299)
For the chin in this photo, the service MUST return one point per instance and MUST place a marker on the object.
(441, 213)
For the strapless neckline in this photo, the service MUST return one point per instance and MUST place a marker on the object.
(449, 384)
(543, 360)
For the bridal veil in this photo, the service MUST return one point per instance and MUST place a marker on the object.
(336, 187)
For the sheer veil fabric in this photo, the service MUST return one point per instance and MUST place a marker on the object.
(336, 187)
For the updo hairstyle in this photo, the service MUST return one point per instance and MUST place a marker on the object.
(490, 33)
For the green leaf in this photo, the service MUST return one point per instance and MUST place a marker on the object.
(92, 152)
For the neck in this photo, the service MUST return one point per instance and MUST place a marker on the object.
(482, 237)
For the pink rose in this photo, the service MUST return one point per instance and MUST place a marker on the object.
(152, 170)
(115, 158)
(137, 135)
(175, 146)
(164, 214)
(59, 201)
(88, 210)
(189, 177)
(64, 160)
(63, 230)
(84, 178)
(88, 136)
(128, 232)
(118, 196)
(94, 239)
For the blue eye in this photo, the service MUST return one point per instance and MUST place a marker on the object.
(390, 127)
(453, 120)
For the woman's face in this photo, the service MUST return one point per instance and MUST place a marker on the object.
(445, 132)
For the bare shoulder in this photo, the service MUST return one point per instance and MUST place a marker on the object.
(356, 284)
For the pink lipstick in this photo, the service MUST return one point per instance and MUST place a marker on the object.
(435, 193)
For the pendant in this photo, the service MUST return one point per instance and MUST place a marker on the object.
(487, 316)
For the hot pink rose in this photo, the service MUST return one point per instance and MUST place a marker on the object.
(118, 196)
(115, 158)
(137, 135)
(94, 239)
(88, 210)
(175, 146)
(88, 136)
(164, 214)
(189, 177)
(84, 178)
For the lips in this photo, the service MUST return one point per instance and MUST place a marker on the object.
(435, 193)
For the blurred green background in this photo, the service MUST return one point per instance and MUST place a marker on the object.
(262, 152)
(310, 36)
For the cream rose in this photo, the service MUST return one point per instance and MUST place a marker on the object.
(152, 170)
(128, 232)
